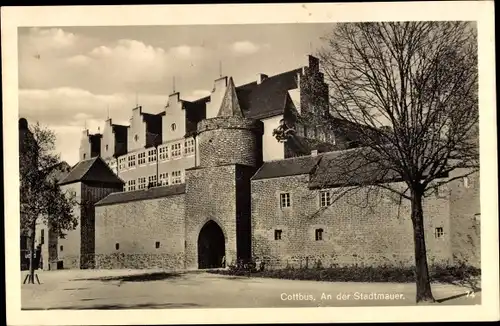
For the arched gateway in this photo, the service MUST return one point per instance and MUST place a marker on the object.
(211, 246)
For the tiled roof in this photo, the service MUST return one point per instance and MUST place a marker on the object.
(92, 170)
(269, 97)
(349, 168)
(257, 101)
(151, 193)
(287, 167)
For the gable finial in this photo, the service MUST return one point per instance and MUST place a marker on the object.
(220, 68)
(173, 85)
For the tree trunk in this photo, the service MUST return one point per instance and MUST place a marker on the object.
(31, 277)
(424, 293)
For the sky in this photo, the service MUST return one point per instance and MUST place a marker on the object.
(71, 77)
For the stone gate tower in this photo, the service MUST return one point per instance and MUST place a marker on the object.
(218, 198)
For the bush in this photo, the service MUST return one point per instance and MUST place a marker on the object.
(354, 273)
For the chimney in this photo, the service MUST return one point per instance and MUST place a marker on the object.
(261, 77)
(314, 152)
(313, 63)
(220, 83)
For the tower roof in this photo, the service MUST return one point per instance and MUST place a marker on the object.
(230, 106)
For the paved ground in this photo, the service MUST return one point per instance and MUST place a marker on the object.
(129, 289)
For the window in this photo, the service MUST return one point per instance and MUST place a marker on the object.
(189, 147)
(152, 181)
(122, 163)
(141, 158)
(157, 244)
(176, 177)
(61, 248)
(164, 179)
(285, 200)
(107, 147)
(277, 234)
(141, 183)
(176, 150)
(42, 236)
(173, 126)
(163, 153)
(152, 155)
(84, 155)
(131, 185)
(325, 198)
(300, 130)
(136, 137)
(117, 246)
(466, 182)
(319, 234)
(305, 132)
(438, 233)
(131, 161)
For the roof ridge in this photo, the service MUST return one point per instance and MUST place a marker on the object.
(88, 168)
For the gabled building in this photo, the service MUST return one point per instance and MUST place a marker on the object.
(161, 147)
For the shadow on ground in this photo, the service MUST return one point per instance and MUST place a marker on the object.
(126, 306)
(471, 293)
(143, 277)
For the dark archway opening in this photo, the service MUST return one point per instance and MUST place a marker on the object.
(211, 246)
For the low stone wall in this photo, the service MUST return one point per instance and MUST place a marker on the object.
(139, 261)
(325, 261)
(71, 262)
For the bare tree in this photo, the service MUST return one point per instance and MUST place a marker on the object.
(406, 94)
(42, 200)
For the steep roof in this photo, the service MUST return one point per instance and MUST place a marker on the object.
(94, 169)
(151, 193)
(287, 167)
(257, 101)
(269, 97)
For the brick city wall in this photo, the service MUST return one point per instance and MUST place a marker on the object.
(465, 218)
(210, 195)
(354, 231)
(136, 226)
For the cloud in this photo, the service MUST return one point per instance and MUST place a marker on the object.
(246, 47)
(66, 106)
(124, 65)
(196, 95)
(67, 110)
(53, 38)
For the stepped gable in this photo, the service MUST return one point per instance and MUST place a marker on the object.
(92, 170)
(230, 106)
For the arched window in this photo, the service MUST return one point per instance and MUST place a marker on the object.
(319, 234)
